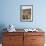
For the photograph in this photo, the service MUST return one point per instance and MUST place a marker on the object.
(26, 13)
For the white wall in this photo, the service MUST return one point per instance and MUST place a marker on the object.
(10, 13)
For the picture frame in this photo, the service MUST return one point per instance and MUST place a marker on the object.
(26, 13)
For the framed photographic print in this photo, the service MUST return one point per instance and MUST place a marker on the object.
(26, 13)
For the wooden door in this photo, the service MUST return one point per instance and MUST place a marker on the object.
(34, 39)
(13, 40)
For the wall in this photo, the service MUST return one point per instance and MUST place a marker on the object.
(10, 13)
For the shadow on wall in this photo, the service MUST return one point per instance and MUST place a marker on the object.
(2, 26)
